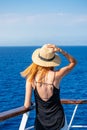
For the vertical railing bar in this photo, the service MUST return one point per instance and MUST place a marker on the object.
(24, 121)
(73, 115)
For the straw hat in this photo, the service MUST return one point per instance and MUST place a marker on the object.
(45, 57)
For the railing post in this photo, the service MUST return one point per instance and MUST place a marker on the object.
(73, 115)
(24, 121)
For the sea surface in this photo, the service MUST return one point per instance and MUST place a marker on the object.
(13, 60)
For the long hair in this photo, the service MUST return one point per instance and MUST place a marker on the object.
(33, 69)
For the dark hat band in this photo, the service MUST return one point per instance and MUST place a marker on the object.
(45, 58)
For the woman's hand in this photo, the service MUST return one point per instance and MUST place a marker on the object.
(55, 48)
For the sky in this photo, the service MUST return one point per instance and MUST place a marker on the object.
(37, 22)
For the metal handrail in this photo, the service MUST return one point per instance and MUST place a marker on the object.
(15, 112)
(20, 110)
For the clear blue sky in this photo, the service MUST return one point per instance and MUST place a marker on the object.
(35, 22)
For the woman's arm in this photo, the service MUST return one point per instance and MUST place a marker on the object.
(28, 94)
(72, 62)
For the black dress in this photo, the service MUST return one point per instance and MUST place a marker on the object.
(50, 113)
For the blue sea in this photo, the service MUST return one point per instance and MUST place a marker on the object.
(13, 60)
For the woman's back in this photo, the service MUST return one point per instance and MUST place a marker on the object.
(49, 111)
(46, 86)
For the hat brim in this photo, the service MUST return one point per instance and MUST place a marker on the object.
(35, 58)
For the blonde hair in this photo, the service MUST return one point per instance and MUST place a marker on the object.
(32, 70)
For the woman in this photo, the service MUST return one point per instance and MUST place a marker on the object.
(42, 77)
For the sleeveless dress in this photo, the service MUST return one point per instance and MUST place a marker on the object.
(50, 113)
